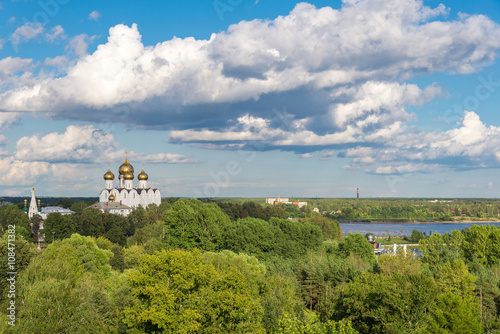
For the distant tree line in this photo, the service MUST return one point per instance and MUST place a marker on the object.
(409, 209)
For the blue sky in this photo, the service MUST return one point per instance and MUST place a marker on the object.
(252, 98)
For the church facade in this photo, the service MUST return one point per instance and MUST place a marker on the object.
(125, 193)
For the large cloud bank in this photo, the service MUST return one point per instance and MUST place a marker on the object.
(315, 79)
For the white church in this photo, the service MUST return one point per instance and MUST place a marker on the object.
(125, 194)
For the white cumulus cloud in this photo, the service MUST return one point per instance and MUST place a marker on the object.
(310, 46)
(56, 32)
(26, 32)
(95, 15)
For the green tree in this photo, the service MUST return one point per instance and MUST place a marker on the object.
(23, 251)
(294, 325)
(277, 237)
(438, 249)
(253, 271)
(23, 233)
(133, 256)
(277, 292)
(103, 243)
(90, 256)
(359, 245)
(400, 264)
(141, 217)
(454, 277)
(193, 224)
(320, 272)
(56, 295)
(117, 235)
(252, 236)
(157, 231)
(12, 215)
(78, 207)
(179, 293)
(63, 226)
(482, 242)
(35, 223)
(378, 303)
(416, 236)
(281, 297)
(454, 314)
(90, 223)
(65, 203)
(488, 294)
(330, 228)
(299, 237)
(118, 260)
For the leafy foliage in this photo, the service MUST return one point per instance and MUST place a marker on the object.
(284, 238)
(12, 215)
(23, 253)
(358, 245)
(63, 291)
(179, 293)
(237, 211)
(289, 325)
(454, 314)
(186, 267)
(376, 303)
(416, 236)
(193, 224)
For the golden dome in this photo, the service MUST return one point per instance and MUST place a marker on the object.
(142, 176)
(109, 175)
(112, 197)
(126, 167)
(128, 176)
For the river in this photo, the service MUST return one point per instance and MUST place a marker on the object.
(401, 229)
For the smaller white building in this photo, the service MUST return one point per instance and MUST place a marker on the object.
(54, 209)
(280, 200)
(277, 200)
(116, 208)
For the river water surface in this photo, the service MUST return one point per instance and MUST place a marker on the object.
(401, 229)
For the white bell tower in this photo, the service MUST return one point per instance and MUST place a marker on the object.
(33, 210)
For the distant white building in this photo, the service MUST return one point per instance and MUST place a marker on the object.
(299, 204)
(125, 195)
(54, 209)
(112, 207)
(277, 200)
(280, 200)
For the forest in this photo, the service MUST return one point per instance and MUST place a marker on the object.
(420, 209)
(190, 266)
